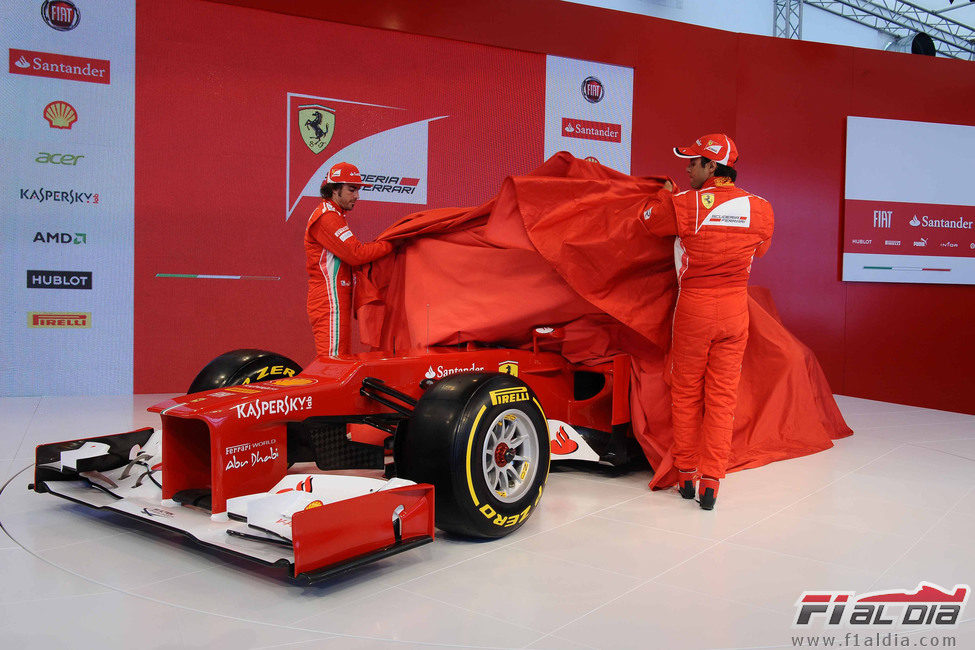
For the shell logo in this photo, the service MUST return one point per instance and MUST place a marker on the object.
(60, 115)
(314, 504)
(293, 381)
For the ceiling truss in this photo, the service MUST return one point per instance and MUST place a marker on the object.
(896, 18)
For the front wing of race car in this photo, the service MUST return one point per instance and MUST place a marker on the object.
(316, 525)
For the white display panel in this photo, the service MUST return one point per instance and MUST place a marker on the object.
(67, 197)
(909, 210)
(589, 111)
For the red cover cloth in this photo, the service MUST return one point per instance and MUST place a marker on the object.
(563, 246)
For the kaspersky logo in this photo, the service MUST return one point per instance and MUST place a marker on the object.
(928, 604)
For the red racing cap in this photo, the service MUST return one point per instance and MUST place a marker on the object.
(714, 146)
(344, 172)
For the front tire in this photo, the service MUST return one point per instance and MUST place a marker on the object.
(243, 367)
(482, 441)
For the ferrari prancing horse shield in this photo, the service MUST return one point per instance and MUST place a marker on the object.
(707, 200)
(317, 125)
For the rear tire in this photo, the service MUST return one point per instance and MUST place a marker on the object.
(482, 441)
(243, 367)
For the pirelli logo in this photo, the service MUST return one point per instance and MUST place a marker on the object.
(59, 320)
(509, 395)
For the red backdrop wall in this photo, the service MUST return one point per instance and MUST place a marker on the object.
(785, 103)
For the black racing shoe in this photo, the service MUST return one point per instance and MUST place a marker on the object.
(685, 482)
(707, 492)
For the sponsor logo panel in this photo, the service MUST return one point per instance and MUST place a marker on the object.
(61, 15)
(588, 110)
(910, 228)
(58, 279)
(388, 145)
(59, 66)
(589, 130)
(59, 320)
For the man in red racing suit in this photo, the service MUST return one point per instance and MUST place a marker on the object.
(331, 251)
(719, 229)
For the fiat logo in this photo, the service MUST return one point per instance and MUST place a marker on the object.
(592, 89)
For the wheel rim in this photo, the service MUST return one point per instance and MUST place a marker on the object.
(509, 457)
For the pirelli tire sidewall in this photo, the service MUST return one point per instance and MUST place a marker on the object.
(444, 446)
(245, 366)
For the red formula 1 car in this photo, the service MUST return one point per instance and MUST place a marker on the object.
(248, 461)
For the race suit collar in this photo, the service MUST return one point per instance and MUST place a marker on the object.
(718, 181)
(329, 204)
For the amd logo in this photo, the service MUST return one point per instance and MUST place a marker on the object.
(60, 238)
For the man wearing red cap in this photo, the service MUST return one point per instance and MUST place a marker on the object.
(331, 251)
(719, 229)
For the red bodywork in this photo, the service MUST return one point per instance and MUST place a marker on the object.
(233, 441)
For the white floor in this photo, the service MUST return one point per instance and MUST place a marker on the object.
(603, 564)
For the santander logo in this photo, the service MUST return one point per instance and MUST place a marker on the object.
(440, 372)
(562, 444)
(60, 66)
